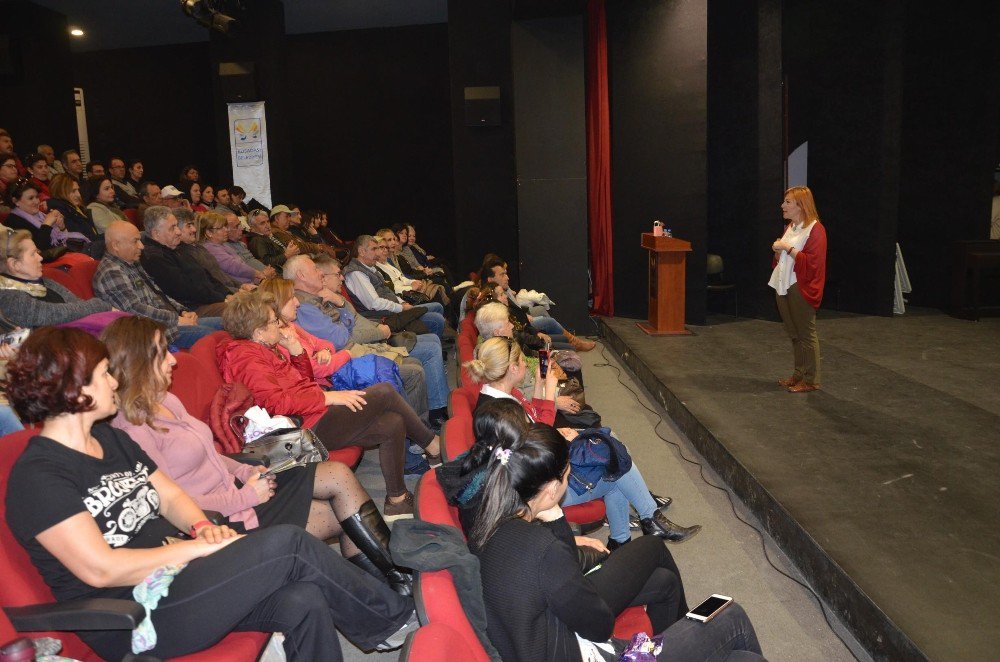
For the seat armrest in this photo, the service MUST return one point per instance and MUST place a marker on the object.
(75, 615)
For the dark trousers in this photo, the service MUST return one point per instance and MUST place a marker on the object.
(279, 579)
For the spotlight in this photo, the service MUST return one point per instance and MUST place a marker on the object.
(207, 15)
(76, 32)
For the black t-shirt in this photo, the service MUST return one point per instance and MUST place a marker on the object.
(50, 483)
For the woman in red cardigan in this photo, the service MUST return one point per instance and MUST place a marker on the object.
(798, 278)
(377, 417)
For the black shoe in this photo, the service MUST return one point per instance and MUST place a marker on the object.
(662, 503)
(614, 544)
(658, 525)
(370, 533)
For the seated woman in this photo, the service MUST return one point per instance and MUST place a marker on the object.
(539, 604)
(377, 417)
(27, 299)
(83, 500)
(67, 200)
(192, 193)
(499, 366)
(323, 356)
(521, 328)
(100, 197)
(214, 231)
(190, 247)
(208, 197)
(325, 498)
(47, 230)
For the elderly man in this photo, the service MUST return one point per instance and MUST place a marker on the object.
(72, 164)
(234, 241)
(389, 265)
(180, 277)
(125, 194)
(55, 166)
(323, 312)
(173, 198)
(283, 218)
(376, 299)
(121, 281)
(264, 245)
(149, 194)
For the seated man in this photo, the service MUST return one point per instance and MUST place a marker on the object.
(264, 245)
(325, 313)
(224, 240)
(182, 278)
(375, 299)
(494, 270)
(283, 220)
(149, 194)
(121, 281)
(126, 197)
(389, 265)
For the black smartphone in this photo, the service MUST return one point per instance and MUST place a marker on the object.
(543, 362)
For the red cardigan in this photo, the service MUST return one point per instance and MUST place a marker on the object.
(279, 386)
(810, 266)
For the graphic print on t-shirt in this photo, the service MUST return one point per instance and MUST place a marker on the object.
(122, 503)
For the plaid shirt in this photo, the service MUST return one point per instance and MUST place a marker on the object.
(128, 287)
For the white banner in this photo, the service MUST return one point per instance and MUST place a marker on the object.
(248, 150)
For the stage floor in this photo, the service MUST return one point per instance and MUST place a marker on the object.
(883, 487)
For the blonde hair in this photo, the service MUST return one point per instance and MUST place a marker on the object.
(494, 357)
(491, 317)
(281, 289)
(210, 220)
(803, 197)
(246, 312)
(134, 360)
(10, 240)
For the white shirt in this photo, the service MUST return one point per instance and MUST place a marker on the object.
(783, 275)
(400, 283)
(362, 288)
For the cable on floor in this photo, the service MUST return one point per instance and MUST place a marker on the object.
(701, 470)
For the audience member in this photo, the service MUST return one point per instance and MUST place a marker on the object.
(388, 264)
(284, 220)
(237, 195)
(192, 193)
(94, 170)
(191, 249)
(208, 197)
(376, 417)
(72, 164)
(539, 605)
(67, 200)
(182, 278)
(264, 245)
(189, 173)
(121, 280)
(47, 230)
(135, 173)
(100, 197)
(324, 498)
(55, 166)
(151, 196)
(38, 171)
(172, 197)
(214, 234)
(377, 300)
(7, 147)
(8, 175)
(223, 202)
(237, 243)
(309, 592)
(126, 195)
(26, 298)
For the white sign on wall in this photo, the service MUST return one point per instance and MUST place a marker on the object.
(248, 150)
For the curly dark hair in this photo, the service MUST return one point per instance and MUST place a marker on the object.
(51, 368)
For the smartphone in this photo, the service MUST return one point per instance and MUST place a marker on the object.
(710, 608)
(543, 362)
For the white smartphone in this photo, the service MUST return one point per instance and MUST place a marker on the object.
(710, 608)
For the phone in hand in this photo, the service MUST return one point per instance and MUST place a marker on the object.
(543, 362)
(710, 608)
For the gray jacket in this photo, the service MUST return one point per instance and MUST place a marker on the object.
(25, 310)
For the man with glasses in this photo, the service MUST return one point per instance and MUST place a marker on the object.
(126, 196)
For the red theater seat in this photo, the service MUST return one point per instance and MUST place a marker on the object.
(75, 272)
(436, 642)
(22, 585)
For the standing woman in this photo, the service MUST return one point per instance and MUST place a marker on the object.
(798, 278)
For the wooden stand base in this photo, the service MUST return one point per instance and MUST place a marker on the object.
(650, 331)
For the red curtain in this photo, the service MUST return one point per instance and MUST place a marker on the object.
(599, 161)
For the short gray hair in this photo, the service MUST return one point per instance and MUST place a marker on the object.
(183, 215)
(490, 318)
(144, 187)
(292, 266)
(365, 240)
(155, 217)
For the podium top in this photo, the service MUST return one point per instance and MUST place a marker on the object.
(664, 244)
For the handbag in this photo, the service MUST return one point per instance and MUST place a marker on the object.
(407, 320)
(594, 455)
(287, 448)
(414, 297)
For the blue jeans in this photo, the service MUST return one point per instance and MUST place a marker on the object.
(9, 422)
(189, 335)
(428, 352)
(554, 330)
(618, 495)
(434, 318)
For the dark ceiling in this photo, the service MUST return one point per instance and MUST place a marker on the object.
(112, 24)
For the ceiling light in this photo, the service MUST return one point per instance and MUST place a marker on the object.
(76, 32)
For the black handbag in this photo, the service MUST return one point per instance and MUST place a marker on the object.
(407, 320)
(413, 297)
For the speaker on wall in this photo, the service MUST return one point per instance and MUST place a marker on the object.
(482, 106)
(238, 81)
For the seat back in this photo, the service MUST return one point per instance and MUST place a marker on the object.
(75, 272)
(435, 642)
(431, 504)
(204, 349)
(457, 436)
(195, 383)
(132, 215)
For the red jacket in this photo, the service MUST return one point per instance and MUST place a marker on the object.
(810, 266)
(280, 386)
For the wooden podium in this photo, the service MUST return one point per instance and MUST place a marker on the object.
(666, 285)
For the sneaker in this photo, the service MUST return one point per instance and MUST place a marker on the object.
(401, 510)
(398, 638)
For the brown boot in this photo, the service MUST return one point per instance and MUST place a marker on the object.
(579, 344)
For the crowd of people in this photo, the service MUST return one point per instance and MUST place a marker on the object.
(308, 316)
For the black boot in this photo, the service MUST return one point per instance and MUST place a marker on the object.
(614, 544)
(658, 525)
(370, 533)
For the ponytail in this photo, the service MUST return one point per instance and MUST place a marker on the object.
(497, 423)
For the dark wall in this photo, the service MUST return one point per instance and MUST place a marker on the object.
(483, 156)
(657, 52)
(549, 111)
(370, 125)
(151, 103)
(843, 66)
(37, 87)
(949, 138)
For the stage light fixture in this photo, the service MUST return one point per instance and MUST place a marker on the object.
(76, 32)
(207, 14)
